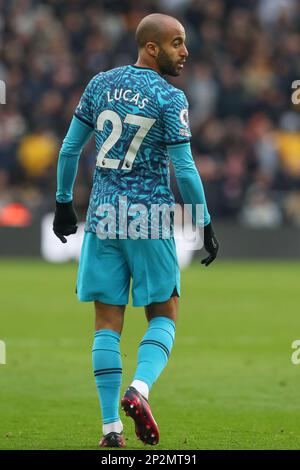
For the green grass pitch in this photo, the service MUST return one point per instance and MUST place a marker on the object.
(229, 384)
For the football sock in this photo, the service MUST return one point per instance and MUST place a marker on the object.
(141, 387)
(108, 373)
(154, 351)
(117, 426)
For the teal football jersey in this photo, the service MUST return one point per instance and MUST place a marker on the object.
(135, 114)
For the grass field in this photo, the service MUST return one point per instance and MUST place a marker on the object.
(229, 384)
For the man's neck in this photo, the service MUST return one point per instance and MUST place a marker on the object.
(143, 63)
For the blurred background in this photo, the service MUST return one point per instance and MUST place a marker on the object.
(239, 319)
(244, 58)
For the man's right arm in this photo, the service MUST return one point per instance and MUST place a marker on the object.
(192, 192)
(189, 181)
(177, 139)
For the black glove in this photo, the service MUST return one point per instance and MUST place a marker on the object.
(210, 244)
(65, 220)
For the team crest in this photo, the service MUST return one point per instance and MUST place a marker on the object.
(184, 117)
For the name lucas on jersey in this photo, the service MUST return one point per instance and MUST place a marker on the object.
(127, 95)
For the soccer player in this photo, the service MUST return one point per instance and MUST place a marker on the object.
(140, 123)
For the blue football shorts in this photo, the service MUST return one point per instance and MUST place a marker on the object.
(107, 266)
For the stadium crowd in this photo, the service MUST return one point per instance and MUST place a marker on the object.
(244, 57)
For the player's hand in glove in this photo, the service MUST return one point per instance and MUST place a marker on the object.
(210, 244)
(65, 220)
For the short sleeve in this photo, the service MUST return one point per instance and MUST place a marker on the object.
(84, 110)
(176, 120)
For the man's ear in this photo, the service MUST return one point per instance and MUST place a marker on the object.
(152, 49)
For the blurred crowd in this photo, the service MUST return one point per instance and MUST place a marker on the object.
(243, 59)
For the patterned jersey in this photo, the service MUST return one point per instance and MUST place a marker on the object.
(135, 114)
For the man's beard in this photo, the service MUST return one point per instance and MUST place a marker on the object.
(166, 66)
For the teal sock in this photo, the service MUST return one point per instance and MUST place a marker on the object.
(108, 373)
(155, 349)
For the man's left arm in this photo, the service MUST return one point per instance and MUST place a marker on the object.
(65, 219)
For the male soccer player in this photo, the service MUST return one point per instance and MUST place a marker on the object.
(140, 123)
